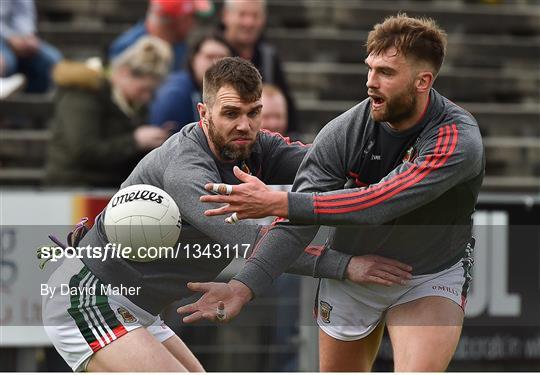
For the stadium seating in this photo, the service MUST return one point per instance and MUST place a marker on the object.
(491, 69)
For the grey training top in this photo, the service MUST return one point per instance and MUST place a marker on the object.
(181, 167)
(420, 213)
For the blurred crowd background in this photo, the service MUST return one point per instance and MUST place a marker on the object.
(88, 87)
(57, 60)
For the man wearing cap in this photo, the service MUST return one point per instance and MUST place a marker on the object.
(170, 20)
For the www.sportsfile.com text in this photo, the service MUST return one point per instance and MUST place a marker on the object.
(110, 250)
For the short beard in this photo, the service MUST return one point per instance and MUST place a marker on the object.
(399, 108)
(226, 151)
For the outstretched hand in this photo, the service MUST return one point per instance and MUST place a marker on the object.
(251, 199)
(221, 302)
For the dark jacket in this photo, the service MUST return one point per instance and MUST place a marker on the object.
(176, 101)
(92, 139)
(268, 62)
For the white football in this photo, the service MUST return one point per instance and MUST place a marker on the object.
(142, 216)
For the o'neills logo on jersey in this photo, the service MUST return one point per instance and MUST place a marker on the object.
(144, 195)
(446, 289)
(325, 308)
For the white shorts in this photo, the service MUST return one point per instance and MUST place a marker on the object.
(348, 311)
(81, 324)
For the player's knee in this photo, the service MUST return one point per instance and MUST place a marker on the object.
(417, 363)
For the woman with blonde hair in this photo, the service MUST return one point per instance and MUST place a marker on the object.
(98, 128)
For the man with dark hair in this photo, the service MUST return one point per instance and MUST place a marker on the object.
(398, 174)
(125, 333)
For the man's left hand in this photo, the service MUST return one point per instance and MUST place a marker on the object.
(250, 200)
(220, 302)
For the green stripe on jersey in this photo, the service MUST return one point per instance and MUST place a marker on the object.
(74, 311)
(102, 301)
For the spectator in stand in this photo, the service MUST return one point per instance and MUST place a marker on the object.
(243, 23)
(170, 20)
(98, 131)
(21, 51)
(274, 111)
(176, 100)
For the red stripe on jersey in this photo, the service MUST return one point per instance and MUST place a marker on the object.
(428, 166)
(439, 160)
(378, 186)
(390, 194)
(314, 250)
(286, 139)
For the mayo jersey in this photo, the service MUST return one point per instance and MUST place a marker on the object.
(419, 213)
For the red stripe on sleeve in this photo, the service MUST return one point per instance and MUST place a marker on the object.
(384, 184)
(439, 159)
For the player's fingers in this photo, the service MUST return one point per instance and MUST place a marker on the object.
(388, 277)
(196, 316)
(242, 176)
(186, 309)
(216, 198)
(199, 287)
(223, 189)
(220, 211)
(394, 263)
(395, 271)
